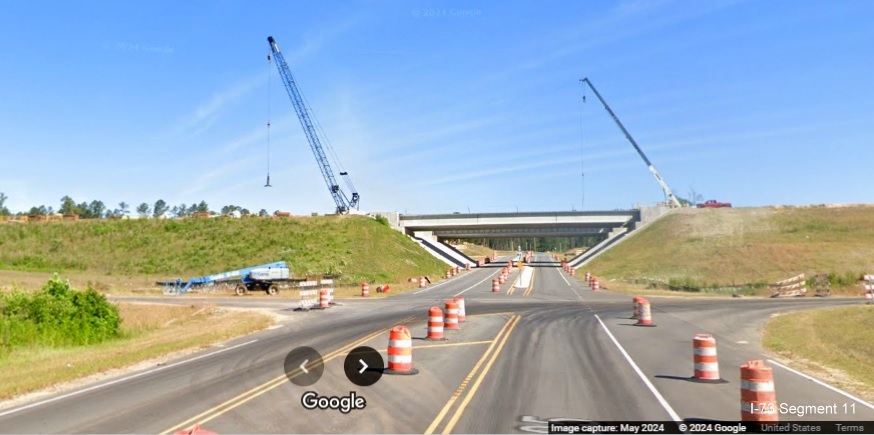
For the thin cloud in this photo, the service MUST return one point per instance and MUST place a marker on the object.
(208, 112)
(209, 179)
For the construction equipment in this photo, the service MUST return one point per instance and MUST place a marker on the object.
(672, 200)
(268, 277)
(344, 204)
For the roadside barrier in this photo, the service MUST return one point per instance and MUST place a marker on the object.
(365, 290)
(496, 285)
(791, 287)
(644, 315)
(435, 324)
(479, 263)
(635, 310)
(328, 284)
(758, 400)
(821, 286)
(460, 301)
(706, 365)
(451, 319)
(308, 295)
(400, 352)
(324, 298)
(869, 288)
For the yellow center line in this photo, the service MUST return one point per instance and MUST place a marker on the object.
(491, 314)
(482, 375)
(513, 285)
(250, 394)
(466, 380)
(531, 284)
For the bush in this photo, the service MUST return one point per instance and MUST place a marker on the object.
(57, 315)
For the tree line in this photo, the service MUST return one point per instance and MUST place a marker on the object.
(99, 210)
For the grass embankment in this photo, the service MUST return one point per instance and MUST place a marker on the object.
(699, 249)
(476, 252)
(148, 331)
(832, 344)
(356, 248)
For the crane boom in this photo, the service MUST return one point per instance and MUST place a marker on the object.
(343, 203)
(671, 198)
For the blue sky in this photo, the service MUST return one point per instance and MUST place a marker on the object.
(437, 106)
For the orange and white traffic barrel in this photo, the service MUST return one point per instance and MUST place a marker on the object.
(400, 352)
(448, 273)
(457, 270)
(588, 276)
(758, 400)
(365, 290)
(460, 301)
(435, 324)
(324, 298)
(496, 285)
(706, 366)
(572, 271)
(479, 263)
(466, 266)
(596, 285)
(635, 308)
(645, 315)
(451, 319)
(421, 282)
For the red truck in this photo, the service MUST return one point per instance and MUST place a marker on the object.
(714, 204)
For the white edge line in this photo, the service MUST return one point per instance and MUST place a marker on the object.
(810, 378)
(127, 378)
(431, 287)
(637, 370)
(484, 279)
(569, 285)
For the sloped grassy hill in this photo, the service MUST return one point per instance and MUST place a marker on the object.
(720, 247)
(356, 247)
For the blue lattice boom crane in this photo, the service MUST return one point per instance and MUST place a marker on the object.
(344, 203)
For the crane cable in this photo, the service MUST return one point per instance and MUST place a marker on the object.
(582, 171)
(269, 57)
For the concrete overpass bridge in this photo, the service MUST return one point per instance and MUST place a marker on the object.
(527, 224)
(430, 230)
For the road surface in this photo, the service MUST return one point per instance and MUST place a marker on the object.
(550, 348)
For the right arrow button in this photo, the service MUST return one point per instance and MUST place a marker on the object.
(363, 366)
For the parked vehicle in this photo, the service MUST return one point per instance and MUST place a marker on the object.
(712, 203)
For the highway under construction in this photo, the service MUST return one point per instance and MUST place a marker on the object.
(543, 346)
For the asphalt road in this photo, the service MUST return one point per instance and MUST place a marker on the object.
(551, 349)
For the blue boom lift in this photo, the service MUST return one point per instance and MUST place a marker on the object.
(267, 277)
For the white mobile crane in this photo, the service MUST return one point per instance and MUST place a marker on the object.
(672, 200)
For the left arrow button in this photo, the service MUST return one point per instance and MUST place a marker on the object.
(307, 372)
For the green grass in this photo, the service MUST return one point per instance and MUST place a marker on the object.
(149, 331)
(700, 249)
(355, 247)
(832, 343)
